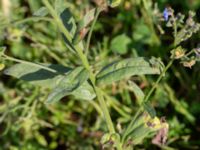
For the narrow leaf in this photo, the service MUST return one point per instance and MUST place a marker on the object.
(43, 11)
(84, 92)
(87, 19)
(147, 106)
(137, 91)
(68, 21)
(2, 50)
(68, 84)
(83, 26)
(60, 5)
(44, 78)
(114, 3)
(37, 75)
(127, 68)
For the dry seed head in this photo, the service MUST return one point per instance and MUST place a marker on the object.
(189, 63)
(178, 53)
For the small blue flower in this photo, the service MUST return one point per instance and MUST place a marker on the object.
(166, 14)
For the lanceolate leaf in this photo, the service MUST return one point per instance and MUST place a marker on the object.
(68, 84)
(52, 80)
(85, 92)
(114, 3)
(147, 106)
(127, 68)
(59, 5)
(66, 16)
(68, 21)
(2, 50)
(87, 19)
(36, 75)
(82, 26)
(137, 91)
(43, 11)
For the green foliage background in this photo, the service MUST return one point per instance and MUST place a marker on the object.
(26, 123)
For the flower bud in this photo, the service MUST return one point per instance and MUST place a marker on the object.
(177, 53)
(189, 63)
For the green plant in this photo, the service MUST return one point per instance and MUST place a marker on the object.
(86, 82)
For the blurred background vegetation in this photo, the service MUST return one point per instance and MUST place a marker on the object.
(131, 29)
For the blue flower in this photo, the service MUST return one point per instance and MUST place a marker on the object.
(166, 14)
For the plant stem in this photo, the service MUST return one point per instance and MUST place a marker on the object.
(175, 30)
(148, 19)
(127, 131)
(105, 110)
(158, 80)
(190, 52)
(66, 33)
(98, 11)
(57, 19)
(168, 65)
(85, 64)
(31, 19)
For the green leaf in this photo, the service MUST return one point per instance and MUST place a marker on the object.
(68, 84)
(139, 134)
(66, 16)
(60, 5)
(44, 78)
(120, 44)
(147, 106)
(87, 19)
(2, 50)
(84, 92)
(82, 25)
(68, 21)
(127, 68)
(36, 75)
(142, 33)
(43, 11)
(114, 3)
(137, 91)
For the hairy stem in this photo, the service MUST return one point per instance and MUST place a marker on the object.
(105, 110)
(157, 81)
(85, 64)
